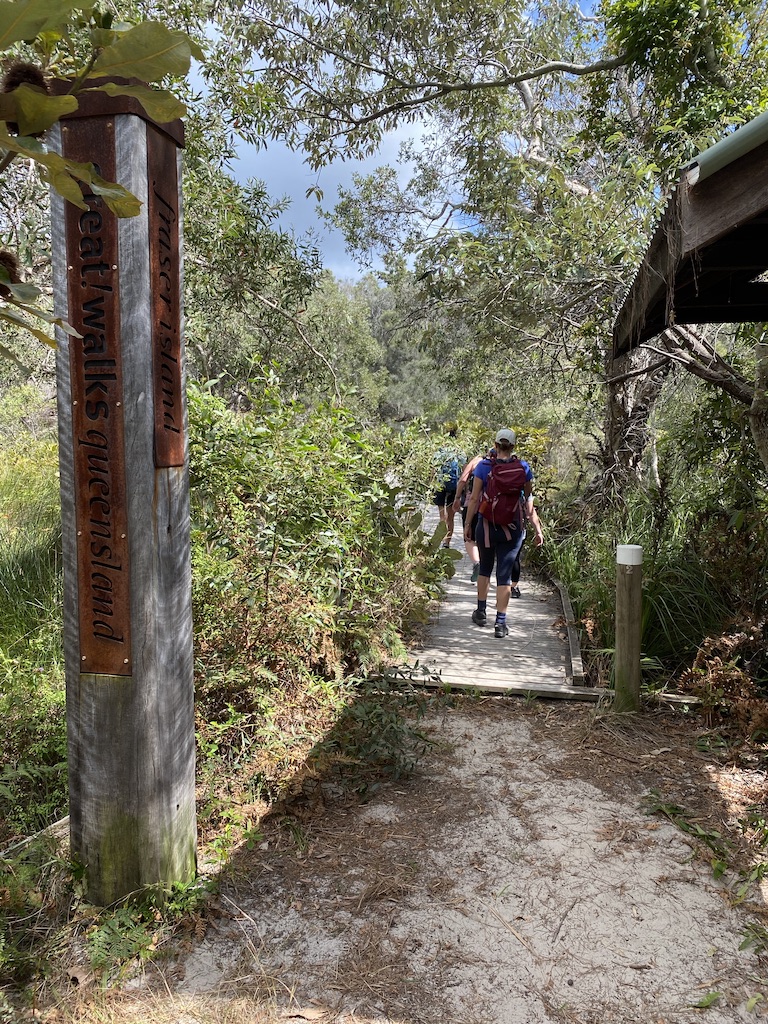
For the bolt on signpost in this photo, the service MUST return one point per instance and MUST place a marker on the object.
(629, 581)
(125, 506)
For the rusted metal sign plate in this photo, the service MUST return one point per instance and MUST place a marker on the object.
(164, 270)
(97, 412)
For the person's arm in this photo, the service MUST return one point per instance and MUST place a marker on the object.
(532, 516)
(474, 505)
(461, 486)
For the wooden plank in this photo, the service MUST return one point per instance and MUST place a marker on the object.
(563, 692)
(646, 299)
(574, 647)
(712, 208)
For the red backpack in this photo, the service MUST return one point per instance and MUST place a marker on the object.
(503, 488)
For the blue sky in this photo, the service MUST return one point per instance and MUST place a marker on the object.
(284, 174)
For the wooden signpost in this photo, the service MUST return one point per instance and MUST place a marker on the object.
(629, 613)
(125, 506)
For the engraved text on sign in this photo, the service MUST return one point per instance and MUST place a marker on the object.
(163, 206)
(97, 414)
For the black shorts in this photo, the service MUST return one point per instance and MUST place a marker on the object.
(445, 497)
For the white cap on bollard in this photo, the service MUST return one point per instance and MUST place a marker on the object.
(629, 554)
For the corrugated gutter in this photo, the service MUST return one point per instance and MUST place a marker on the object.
(724, 152)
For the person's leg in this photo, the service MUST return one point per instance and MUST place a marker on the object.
(507, 564)
(450, 497)
(470, 546)
(485, 558)
(516, 570)
(440, 500)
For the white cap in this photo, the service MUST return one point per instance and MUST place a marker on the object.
(506, 435)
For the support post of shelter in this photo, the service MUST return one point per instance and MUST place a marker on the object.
(125, 506)
(629, 581)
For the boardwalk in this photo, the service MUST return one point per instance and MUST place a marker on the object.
(536, 657)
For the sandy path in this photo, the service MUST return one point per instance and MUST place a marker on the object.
(516, 879)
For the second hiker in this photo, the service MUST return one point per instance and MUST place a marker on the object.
(446, 472)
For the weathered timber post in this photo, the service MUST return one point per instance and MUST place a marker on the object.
(125, 506)
(629, 582)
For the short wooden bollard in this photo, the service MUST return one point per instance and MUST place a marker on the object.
(629, 600)
(125, 507)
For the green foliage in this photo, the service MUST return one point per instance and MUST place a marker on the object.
(710, 999)
(700, 515)
(755, 824)
(308, 567)
(694, 60)
(682, 597)
(246, 283)
(756, 938)
(33, 895)
(77, 43)
(42, 912)
(377, 735)
(119, 936)
(716, 489)
(297, 532)
(32, 769)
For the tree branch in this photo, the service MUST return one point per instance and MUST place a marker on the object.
(732, 385)
(271, 304)
(642, 370)
(432, 91)
(442, 89)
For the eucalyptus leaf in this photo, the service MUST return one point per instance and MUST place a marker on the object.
(103, 37)
(36, 111)
(62, 182)
(9, 316)
(162, 106)
(25, 19)
(706, 1001)
(119, 200)
(150, 51)
(24, 292)
(23, 145)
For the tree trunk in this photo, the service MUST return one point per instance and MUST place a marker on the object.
(634, 384)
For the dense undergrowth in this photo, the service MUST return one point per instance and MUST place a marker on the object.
(32, 765)
(310, 571)
(702, 521)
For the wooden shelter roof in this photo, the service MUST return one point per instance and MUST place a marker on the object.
(709, 252)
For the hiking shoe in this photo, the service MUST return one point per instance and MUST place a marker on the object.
(475, 573)
(514, 592)
(501, 630)
(479, 618)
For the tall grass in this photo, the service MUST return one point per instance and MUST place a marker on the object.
(32, 768)
(689, 592)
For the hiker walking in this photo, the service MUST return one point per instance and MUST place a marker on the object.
(502, 496)
(460, 504)
(447, 472)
